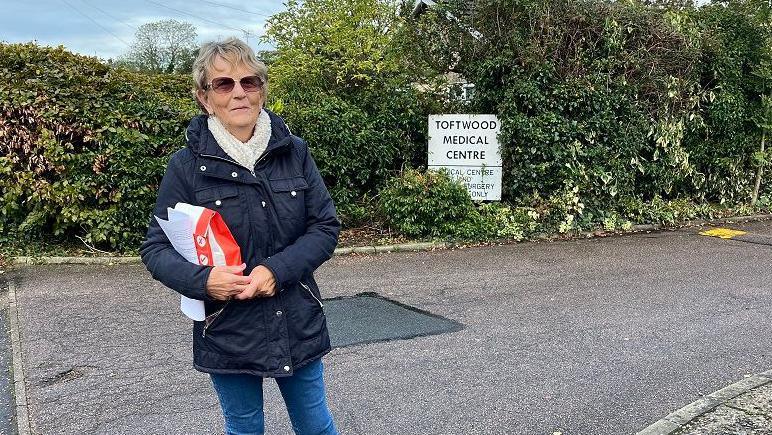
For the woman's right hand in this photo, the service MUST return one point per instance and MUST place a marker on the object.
(227, 281)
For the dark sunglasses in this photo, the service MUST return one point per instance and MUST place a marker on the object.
(223, 85)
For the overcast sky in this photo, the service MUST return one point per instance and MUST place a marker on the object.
(105, 28)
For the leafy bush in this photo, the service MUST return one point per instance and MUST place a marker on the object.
(499, 221)
(736, 69)
(426, 204)
(83, 145)
(432, 204)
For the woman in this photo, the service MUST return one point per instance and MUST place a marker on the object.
(264, 317)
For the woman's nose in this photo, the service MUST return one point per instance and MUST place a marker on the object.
(238, 91)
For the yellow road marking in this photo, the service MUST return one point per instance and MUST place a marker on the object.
(724, 233)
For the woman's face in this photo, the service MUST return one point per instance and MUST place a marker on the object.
(238, 109)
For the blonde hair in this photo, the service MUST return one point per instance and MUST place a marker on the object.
(233, 51)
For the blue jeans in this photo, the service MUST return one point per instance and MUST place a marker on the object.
(241, 399)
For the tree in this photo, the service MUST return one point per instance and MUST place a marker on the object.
(329, 44)
(165, 46)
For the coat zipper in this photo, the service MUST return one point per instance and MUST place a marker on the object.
(212, 317)
(251, 171)
(321, 305)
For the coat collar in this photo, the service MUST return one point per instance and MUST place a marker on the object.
(202, 142)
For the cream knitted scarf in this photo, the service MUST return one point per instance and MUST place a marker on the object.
(245, 153)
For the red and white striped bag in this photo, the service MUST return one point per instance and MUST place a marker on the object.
(212, 244)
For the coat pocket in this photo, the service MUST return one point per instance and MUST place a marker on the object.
(289, 197)
(217, 196)
(306, 316)
(238, 331)
(212, 317)
(227, 201)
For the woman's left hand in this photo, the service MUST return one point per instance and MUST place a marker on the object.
(263, 284)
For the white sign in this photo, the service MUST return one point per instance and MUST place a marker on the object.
(468, 147)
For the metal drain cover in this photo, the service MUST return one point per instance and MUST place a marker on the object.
(368, 318)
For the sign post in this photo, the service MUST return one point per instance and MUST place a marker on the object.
(468, 147)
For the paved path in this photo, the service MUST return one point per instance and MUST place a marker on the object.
(749, 412)
(7, 420)
(600, 336)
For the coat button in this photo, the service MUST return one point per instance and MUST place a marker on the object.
(218, 202)
(286, 368)
(279, 313)
(263, 202)
(203, 168)
(234, 174)
(293, 193)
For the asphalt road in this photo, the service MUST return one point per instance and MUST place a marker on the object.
(599, 336)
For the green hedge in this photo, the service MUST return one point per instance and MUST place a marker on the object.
(735, 72)
(83, 145)
(619, 103)
(611, 112)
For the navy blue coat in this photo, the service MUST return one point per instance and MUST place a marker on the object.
(282, 217)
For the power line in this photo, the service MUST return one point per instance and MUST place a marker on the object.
(108, 15)
(246, 32)
(236, 9)
(95, 22)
